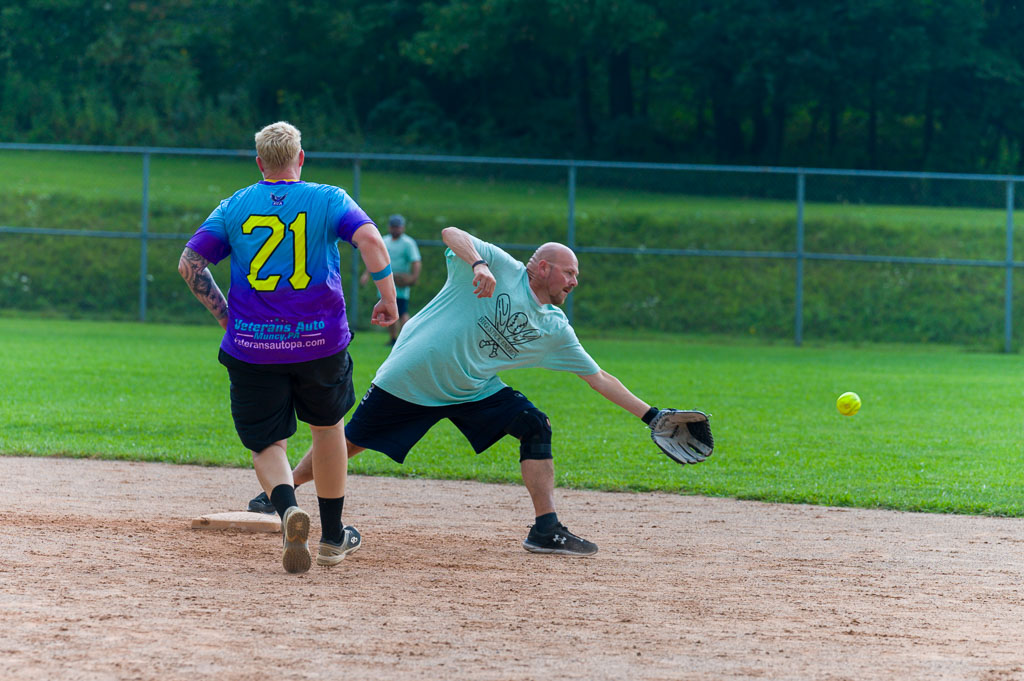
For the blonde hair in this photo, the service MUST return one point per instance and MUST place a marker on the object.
(278, 144)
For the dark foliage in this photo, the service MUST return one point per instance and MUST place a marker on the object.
(904, 84)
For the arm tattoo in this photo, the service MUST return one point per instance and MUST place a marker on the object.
(194, 269)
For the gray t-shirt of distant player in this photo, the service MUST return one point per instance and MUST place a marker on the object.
(452, 350)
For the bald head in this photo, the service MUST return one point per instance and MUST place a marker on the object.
(551, 252)
(552, 269)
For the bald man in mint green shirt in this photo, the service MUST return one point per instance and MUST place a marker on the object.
(456, 346)
(493, 314)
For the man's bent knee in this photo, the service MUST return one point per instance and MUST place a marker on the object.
(258, 448)
(533, 428)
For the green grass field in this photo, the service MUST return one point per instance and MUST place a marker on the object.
(940, 429)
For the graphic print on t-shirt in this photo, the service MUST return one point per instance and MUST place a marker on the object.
(506, 331)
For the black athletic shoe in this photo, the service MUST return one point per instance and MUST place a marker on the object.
(560, 540)
(261, 504)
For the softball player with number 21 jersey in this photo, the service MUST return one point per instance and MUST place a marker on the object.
(286, 335)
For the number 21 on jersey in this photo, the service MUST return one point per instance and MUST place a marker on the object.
(299, 279)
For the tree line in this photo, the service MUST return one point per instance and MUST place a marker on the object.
(886, 84)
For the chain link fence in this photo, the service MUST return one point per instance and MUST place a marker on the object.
(763, 251)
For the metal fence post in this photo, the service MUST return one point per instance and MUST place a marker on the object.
(144, 239)
(799, 304)
(1008, 315)
(352, 300)
(572, 229)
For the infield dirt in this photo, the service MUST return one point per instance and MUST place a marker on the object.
(103, 578)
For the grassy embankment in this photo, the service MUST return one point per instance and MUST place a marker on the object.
(98, 278)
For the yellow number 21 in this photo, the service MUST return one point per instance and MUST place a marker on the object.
(299, 279)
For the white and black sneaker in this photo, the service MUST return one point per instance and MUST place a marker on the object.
(332, 554)
(559, 540)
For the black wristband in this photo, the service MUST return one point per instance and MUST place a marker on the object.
(649, 416)
(478, 262)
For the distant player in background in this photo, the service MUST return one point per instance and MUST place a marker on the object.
(405, 264)
(493, 314)
(286, 340)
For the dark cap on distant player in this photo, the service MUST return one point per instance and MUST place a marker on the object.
(396, 220)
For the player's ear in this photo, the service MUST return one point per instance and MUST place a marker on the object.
(302, 157)
(259, 162)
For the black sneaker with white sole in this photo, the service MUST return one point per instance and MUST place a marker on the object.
(261, 504)
(560, 540)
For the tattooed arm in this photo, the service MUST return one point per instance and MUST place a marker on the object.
(193, 268)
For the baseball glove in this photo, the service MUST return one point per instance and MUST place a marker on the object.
(684, 435)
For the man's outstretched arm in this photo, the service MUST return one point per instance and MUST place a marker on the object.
(194, 269)
(612, 390)
(685, 436)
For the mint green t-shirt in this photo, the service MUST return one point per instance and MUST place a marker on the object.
(404, 252)
(452, 350)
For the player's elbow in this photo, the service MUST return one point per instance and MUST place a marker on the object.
(184, 268)
(449, 234)
(595, 381)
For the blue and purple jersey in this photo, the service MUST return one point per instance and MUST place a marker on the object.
(285, 303)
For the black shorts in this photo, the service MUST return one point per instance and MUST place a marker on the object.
(403, 305)
(388, 424)
(265, 398)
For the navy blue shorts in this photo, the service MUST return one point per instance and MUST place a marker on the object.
(403, 305)
(388, 424)
(266, 397)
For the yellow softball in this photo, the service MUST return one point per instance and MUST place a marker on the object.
(848, 404)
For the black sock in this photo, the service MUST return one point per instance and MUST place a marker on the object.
(545, 524)
(283, 498)
(331, 528)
